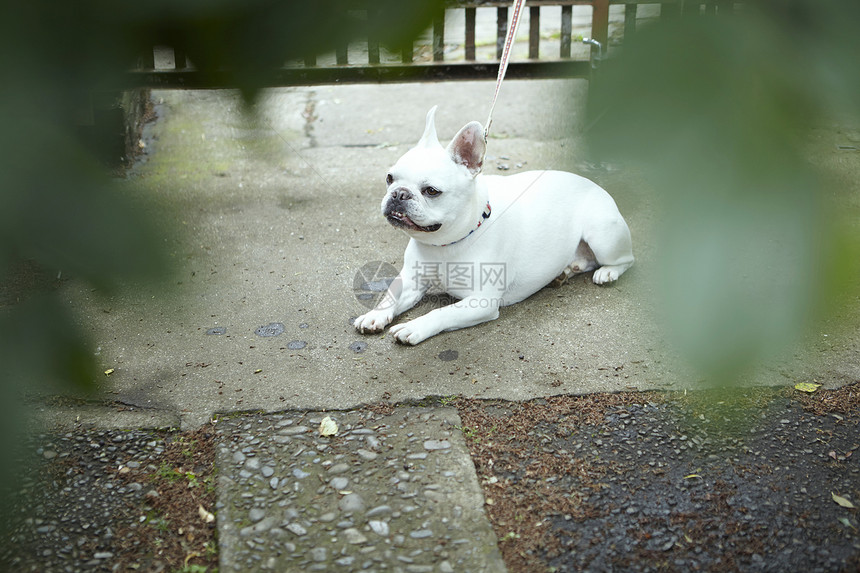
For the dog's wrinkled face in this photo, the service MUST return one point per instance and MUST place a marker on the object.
(425, 192)
(430, 189)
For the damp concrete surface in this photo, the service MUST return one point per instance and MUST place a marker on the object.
(281, 244)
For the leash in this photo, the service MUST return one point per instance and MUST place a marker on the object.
(503, 63)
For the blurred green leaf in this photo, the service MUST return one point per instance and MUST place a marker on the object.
(44, 348)
(59, 210)
(714, 110)
(59, 207)
(85, 45)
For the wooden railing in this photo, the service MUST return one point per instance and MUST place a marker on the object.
(407, 68)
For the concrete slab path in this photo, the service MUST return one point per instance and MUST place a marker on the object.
(279, 214)
(392, 491)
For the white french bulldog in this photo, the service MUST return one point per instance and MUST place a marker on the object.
(488, 240)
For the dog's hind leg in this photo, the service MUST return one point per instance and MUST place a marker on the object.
(613, 250)
(583, 261)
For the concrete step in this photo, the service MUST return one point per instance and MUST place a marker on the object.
(390, 491)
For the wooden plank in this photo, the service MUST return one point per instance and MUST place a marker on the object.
(629, 21)
(147, 59)
(470, 34)
(372, 51)
(530, 3)
(566, 30)
(372, 41)
(600, 21)
(615, 2)
(180, 59)
(341, 56)
(501, 30)
(439, 38)
(534, 32)
(396, 73)
(507, 3)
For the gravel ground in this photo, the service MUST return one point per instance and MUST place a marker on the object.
(756, 480)
(111, 500)
(650, 482)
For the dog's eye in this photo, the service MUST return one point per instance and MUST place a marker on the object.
(431, 192)
(389, 179)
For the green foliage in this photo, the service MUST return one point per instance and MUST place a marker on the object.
(171, 474)
(60, 213)
(714, 109)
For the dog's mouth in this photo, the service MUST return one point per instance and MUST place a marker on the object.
(401, 221)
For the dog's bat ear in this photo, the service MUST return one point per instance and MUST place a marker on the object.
(468, 147)
(429, 139)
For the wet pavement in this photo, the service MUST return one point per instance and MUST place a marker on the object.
(279, 215)
(279, 219)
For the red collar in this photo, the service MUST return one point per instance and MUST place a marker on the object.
(484, 216)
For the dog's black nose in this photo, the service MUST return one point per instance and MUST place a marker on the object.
(402, 194)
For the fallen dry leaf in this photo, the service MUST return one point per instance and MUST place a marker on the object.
(842, 501)
(206, 516)
(328, 427)
(808, 387)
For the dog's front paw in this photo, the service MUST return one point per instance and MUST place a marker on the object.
(373, 321)
(410, 333)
